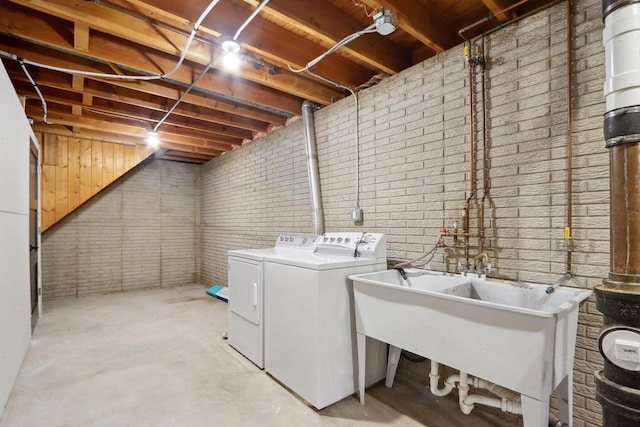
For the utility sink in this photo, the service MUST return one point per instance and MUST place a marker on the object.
(515, 295)
(512, 334)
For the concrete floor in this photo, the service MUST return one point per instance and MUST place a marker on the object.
(157, 358)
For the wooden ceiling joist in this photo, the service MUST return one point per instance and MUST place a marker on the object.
(225, 109)
(420, 21)
(262, 37)
(158, 96)
(329, 24)
(128, 33)
(496, 7)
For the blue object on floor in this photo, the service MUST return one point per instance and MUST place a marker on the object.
(219, 291)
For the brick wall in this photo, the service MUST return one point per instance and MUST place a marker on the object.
(141, 232)
(252, 194)
(169, 223)
(414, 168)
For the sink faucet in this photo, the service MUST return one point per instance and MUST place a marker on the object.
(463, 268)
(551, 289)
(481, 263)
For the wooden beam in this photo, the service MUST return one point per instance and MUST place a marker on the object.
(183, 158)
(250, 93)
(497, 6)
(191, 155)
(61, 117)
(89, 135)
(87, 99)
(191, 149)
(195, 122)
(417, 20)
(330, 24)
(61, 130)
(128, 29)
(77, 83)
(158, 95)
(81, 37)
(263, 37)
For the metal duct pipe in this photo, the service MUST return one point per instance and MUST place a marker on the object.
(618, 298)
(317, 216)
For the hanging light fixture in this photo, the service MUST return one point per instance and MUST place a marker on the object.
(230, 58)
(153, 139)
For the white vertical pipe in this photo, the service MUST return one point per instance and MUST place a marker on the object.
(308, 122)
(621, 39)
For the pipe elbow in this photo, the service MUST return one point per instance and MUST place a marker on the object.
(481, 257)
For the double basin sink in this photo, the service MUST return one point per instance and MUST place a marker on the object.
(513, 334)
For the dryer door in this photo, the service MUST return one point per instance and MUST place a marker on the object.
(245, 289)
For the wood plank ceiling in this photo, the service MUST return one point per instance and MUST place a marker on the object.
(225, 109)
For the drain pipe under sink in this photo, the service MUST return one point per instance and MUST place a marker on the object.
(308, 122)
(508, 401)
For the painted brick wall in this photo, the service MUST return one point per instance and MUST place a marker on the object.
(252, 194)
(168, 223)
(141, 232)
(414, 168)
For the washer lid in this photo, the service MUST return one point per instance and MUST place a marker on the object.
(321, 262)
(255, 254)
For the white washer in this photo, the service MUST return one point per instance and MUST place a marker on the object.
(245, 328)
(310, 338)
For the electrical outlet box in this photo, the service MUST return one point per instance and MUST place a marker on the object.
(356, 215)
(385, 22)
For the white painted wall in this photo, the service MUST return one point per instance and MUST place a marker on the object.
(15, 316)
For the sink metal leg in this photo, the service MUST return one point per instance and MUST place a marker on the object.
(392, 364)
(564, 393)
(362, 361)
(535, 412)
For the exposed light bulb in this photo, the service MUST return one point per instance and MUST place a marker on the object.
(153, 140)
(231, 61)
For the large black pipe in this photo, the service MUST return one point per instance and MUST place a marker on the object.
(618, 298)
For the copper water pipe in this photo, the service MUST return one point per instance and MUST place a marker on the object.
(625, 214)
(490, 16)
(467, 206)
(569, 137)
(485, 183)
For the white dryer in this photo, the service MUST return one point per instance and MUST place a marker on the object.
(310, 338)
(245, 328)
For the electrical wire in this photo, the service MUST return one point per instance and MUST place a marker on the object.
(250, 18)
(195, 29)
(124, 76)
(356, 3)
(357, 133)
(357, 197)
(118, 115)
(191, 86)
(370, 29)
(431, 253)
(210, 64)
(37, 89)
